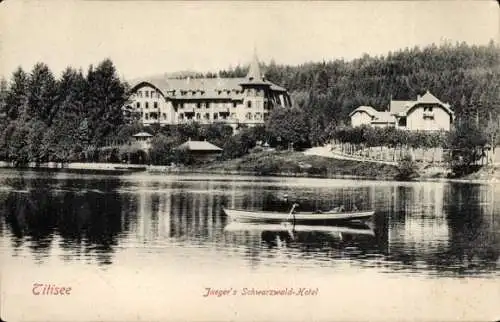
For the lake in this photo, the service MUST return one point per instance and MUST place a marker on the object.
(151, 247)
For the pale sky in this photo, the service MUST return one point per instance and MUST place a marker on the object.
(153, 37)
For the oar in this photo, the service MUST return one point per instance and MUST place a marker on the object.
(291, 214)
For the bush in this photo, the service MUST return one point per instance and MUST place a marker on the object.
(407, 169)
(318, 171)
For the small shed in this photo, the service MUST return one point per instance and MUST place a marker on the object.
(200, 150)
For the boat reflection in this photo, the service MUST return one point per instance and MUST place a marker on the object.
(277, 234)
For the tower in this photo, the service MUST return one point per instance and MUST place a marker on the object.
(256, 91)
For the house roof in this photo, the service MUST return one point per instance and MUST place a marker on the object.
(402, 108)
(198, 146)
(142, 134)
(397, 107)
(429, 98)
(367, 109)
(384, 117)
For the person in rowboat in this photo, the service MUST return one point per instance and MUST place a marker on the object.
(339, 208)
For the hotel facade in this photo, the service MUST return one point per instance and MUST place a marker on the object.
(234, 101)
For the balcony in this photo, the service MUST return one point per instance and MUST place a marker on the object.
(428, 115)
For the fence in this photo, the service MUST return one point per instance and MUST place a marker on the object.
(433, 156)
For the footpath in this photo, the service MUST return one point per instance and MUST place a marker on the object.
(326, 151)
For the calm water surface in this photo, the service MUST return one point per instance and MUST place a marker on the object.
(55, 225)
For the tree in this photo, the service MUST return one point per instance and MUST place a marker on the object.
(106, 96)
(288, 126)
(161, 150)
(16, 99)
(467, 143)
(42, 94)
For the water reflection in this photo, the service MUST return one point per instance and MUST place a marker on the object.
(85, 215)
(431, 228)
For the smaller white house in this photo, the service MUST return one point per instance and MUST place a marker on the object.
(427, 113)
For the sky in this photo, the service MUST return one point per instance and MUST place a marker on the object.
(153, 37)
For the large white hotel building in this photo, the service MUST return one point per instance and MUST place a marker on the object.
(233, 101)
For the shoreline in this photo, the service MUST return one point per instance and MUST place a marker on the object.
(121, 169)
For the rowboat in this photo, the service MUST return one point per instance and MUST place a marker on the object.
(300, 217)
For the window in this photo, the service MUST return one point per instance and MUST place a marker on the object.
(139, 93)
(198, 116)
(152, 93)
(142, 114)
(155, 104)
(198, 105)
(235, 104)
(207, 116)
(216, 116)
(147, 104)
(181, 116)
(164, 116)
(146, 93)
(138, 104)
(249, 104)
(147, 116)
(248, 116)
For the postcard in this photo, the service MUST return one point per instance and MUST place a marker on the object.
(249, 160)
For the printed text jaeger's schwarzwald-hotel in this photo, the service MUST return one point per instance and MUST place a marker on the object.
(233, 101)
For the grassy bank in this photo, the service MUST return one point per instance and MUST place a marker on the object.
(297, 164)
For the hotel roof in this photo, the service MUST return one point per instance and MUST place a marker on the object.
(210, 86)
